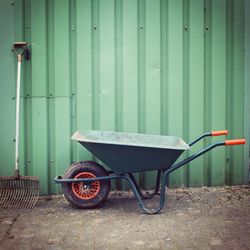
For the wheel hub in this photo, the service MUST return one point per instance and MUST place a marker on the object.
(85, 191)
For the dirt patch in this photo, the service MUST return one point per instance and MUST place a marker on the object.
(195, 218)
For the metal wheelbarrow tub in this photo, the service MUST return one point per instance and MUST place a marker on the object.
(131, 152)
(86, 184)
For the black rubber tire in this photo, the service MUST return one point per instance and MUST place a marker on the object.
(93, 169)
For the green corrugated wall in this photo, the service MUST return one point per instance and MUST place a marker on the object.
(171, 67)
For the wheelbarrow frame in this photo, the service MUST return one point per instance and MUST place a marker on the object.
(161, 179)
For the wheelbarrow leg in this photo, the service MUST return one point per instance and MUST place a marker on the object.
(168, 171)
(148, 195)
(139, 198)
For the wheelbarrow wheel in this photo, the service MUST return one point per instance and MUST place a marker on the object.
(86, 194)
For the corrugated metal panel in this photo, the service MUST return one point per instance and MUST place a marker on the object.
(247, 87)
(6, 93)
(162, 67)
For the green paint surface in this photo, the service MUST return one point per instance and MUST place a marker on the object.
(162, 67)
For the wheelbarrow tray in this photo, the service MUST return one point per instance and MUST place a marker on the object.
(131, 152)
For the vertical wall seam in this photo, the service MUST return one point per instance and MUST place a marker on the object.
(232, 74)
(51, 91)
(47, 100)
(164, 65)
(27, 37)
(238, 88)
(141, 74)
(72, 56)
(118, 16)
(207, 89)
(242, 19)
(141, 65)
(27, 80)
(229, 71)
(95, 64)
(186, 82)
(118, 66)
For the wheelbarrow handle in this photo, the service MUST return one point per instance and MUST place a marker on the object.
(212, 133)
(219, 132)
(235, 142)
(203, 151)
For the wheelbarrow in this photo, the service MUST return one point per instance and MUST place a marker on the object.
(86, 184)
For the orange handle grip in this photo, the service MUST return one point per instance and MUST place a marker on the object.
(235, 142)
(219, 132)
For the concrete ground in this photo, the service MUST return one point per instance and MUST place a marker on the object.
(197, 218)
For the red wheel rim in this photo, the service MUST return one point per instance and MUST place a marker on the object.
(85, 191)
